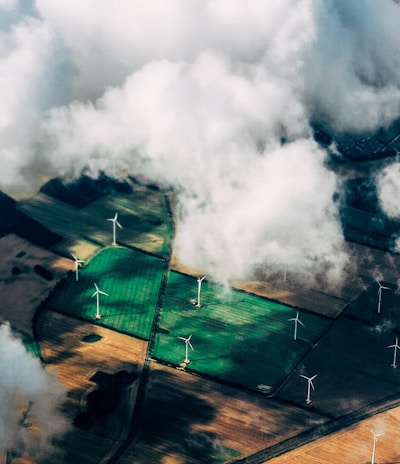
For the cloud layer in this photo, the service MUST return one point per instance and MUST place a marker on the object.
(213, 99)
(29, 397)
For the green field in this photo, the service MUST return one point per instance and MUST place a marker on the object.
(143, 214)
(237, 337)
(132, 280)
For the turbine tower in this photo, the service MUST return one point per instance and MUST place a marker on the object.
(309, 386)
(199, 282)
(381, 287)
(187, 344)
(296, 322)
(78, 262)
(396, 347)
(376, 435)
(115, 222)
(97, 294)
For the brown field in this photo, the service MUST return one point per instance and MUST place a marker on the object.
(353, 444)
(75, 362)
(186, 419)
(22, 289)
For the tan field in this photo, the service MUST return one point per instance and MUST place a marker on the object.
(353, 444)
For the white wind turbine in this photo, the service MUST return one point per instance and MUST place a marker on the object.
(199, 282)
(78, 262)
(187, 344)
(115, 222)
(381, 287)
(296, 322)
(376, 435)
(97, 294)
(396, 347)
(309, 386)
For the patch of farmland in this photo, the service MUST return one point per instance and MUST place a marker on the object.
(370, 229)
(28, 274)
(132, 281)
(143, 214)
(77, 352)
(353, 367)
(144, 218)
(237, 337)
(353, 444)
(191, 420)
(382, 312)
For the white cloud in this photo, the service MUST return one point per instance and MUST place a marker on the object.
(202, 96)
(388, 190)
(26, 387)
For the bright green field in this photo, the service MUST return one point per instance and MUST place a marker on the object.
(132, 281)
(240, 338)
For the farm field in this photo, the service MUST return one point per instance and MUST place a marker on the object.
(237, 337)
(352, 360)
(132, 282)
(190, 419)
(30, 273)
(144, 216)
(78, 352)
(353, 444)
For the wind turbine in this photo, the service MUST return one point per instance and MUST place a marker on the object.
(309, 386)
(381, 287)
(115, 222)
(97, 293)
(396, 347)
(296, 322)
(187, 344)
(199, 281)
(376, 435)
(78, 262)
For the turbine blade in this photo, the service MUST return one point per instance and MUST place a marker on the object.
(97, 288)
(75, 258)
(116, 216)
(104, 293)
(299, 321)
(190, 345)
(118, 224)
(313, 377)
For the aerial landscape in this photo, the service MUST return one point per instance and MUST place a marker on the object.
(200, 232)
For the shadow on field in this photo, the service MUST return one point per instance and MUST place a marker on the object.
(173, 417)
(105, 400)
